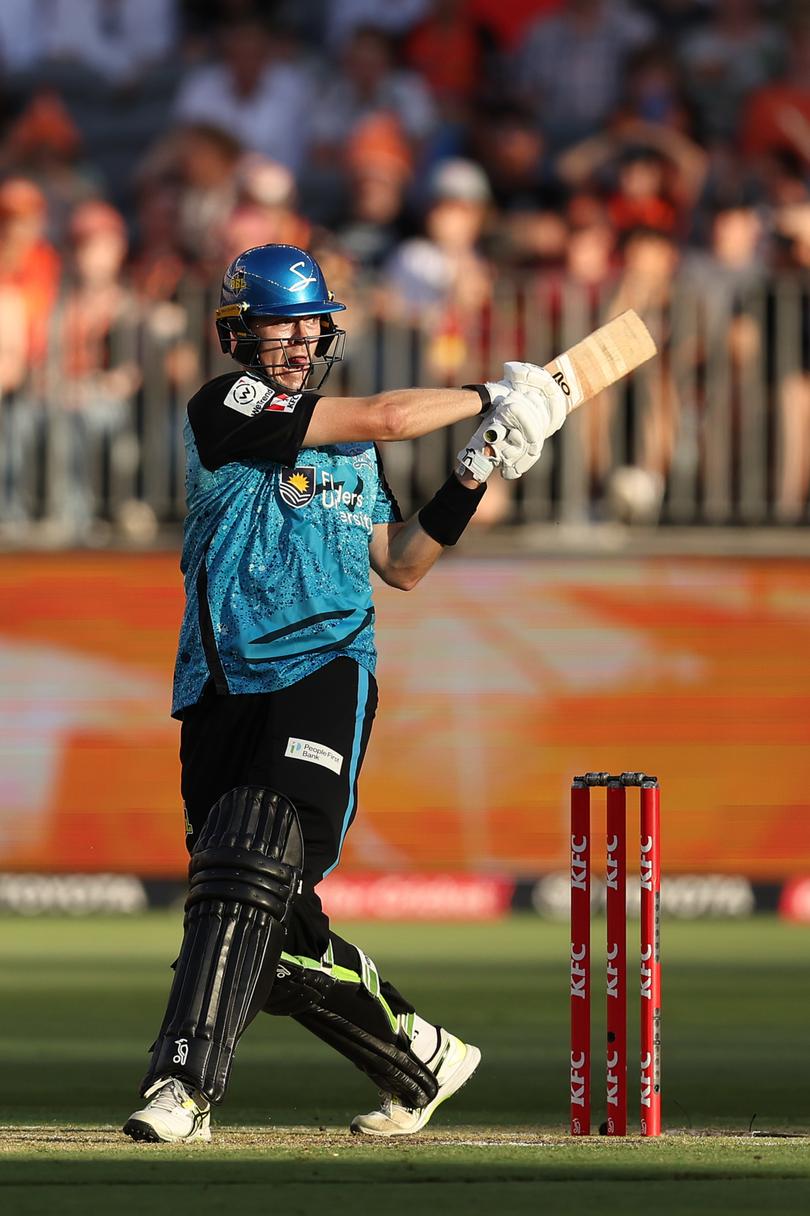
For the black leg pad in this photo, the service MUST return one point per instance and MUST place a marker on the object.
(354, 1022)
(244, 872)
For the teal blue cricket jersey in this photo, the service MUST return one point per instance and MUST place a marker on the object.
(275, 549)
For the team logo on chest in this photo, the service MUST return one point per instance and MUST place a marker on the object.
(297, 486)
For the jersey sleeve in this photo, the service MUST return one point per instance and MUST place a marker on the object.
(386, 508)
(243, 417)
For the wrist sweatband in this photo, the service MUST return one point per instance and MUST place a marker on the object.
(449, 511)
(483, 393)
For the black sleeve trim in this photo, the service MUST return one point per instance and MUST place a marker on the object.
(207, 634)
(241, 416)
(389, 493)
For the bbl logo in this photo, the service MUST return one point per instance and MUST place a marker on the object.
(297, 486)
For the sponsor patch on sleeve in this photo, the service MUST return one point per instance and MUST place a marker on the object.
(250, 397)
(283, 403)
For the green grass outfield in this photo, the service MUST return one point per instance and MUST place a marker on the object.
(81, 998)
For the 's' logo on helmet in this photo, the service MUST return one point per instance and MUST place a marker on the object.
(238, 281)
(303, 279)
(297, 486)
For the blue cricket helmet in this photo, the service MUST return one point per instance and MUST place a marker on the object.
(277, 281)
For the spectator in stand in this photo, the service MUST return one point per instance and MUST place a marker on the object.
(198, 166)
(44, 145)
(569, 67)
(20, 38)
(29, 264)
(776, 119)
(532, 237)
(369, 83)
(99, 374)
(114, 64)
(507, 23)
(643, 198)
(344, 19)
(447, 50)
(735, 263)
(646, 283)
(380, 166)
(441, 279)
(167, 289)
(723, 61)
(29, 282)
(590, 255)
(207, 162)
(793, 399)
(158, 266)
(265, 210)
(171, 264)
(675, 18)
(116, 41)
(254, 91)
(785, 180)
(652, 173)
(587, 285)
(653, 92)
(511, 148)
(728, 281)
(441, 283)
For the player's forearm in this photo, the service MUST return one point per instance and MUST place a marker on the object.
(411, 553)
(403, 553)
(415, 412)
(403, 413)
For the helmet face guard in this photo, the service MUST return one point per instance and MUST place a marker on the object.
(279, 282)
(238, 340)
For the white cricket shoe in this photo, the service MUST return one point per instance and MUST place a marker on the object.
(453, 1064)
(175, 1114)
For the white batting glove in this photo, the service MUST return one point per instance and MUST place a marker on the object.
(522, 376)
(510, 437)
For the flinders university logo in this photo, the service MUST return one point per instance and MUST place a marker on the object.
(297, 486)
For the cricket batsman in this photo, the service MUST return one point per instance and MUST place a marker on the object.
(288, 511)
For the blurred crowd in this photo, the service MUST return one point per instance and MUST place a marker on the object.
(427, 151)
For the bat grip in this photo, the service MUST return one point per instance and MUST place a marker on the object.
(493, 434)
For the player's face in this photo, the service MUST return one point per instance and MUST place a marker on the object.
(287, 347)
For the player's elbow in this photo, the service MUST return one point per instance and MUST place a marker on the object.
(407, 580)
(401, 579)
(392, 418)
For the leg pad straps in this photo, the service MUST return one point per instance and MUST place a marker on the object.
(348, 1010)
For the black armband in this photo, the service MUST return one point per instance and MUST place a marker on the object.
(483, 393)
(449, 511)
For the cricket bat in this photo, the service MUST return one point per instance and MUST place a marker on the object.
(605, 356)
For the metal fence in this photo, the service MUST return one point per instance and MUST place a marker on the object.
(715, 431)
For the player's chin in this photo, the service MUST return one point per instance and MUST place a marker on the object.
(292, 379)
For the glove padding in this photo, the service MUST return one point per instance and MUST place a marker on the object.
(528, 406)
(522, 376)
(510, 437)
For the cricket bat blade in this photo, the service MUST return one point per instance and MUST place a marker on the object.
(605, 356)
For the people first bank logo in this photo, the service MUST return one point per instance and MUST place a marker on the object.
(300, 486)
